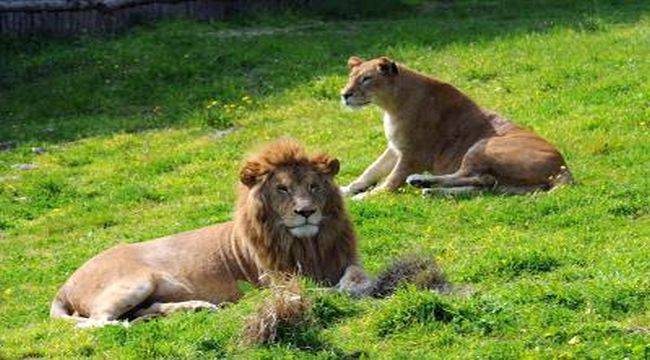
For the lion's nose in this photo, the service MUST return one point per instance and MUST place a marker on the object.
(346, 95)
(306, 212)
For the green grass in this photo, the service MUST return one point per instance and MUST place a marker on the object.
(128, 124)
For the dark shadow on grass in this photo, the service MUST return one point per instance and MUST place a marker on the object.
(309, 338)
(512, 266)
(164, 75)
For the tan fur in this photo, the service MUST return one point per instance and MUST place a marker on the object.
(432, 126)
(200, 268)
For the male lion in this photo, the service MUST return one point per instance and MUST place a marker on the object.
(432, 126)
(289, 217)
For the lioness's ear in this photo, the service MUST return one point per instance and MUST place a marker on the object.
(251, 173)
(354, 61)
(326, 164)
(387, 66)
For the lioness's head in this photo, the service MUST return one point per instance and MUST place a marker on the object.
(295, 191)
(368, 79)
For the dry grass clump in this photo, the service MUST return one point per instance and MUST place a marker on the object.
(423, 272)
(287, 307)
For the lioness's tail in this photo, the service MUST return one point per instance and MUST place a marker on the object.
(564, 177)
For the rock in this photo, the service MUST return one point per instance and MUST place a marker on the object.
(221, 133)
(25, 166)
(38, 150)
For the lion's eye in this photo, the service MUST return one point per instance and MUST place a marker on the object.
(313, 187)
(282, 189)
(365, 79)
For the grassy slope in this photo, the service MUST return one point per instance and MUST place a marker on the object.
(130, 157)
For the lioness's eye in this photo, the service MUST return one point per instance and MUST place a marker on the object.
(365, 79)
(282, 189)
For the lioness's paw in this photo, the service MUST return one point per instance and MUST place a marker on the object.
(353, 189)
(419, 180)
(430, 192)
(345, 190)
(436, 191)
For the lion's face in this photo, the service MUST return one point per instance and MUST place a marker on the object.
(367, 80)
(296, 196)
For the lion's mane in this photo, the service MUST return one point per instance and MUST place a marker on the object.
(324, 257)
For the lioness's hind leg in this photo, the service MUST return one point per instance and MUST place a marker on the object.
(163, 309)
(453, 191)
(472, 190)
(451, 180)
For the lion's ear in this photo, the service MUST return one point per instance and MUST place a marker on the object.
(354, 61)
(387, 66)
(326, 164)
(251, 173)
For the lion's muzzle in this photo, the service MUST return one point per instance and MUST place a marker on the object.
(304, 223)
(304, 231)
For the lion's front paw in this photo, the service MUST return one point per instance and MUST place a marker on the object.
(95, 323)
(355, 282)
(197, 305)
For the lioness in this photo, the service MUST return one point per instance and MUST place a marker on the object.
(289, 217)
(432, 126)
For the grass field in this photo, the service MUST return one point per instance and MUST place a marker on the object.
(129, 124)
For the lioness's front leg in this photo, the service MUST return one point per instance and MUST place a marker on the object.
(380, 168)
(395, 179)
